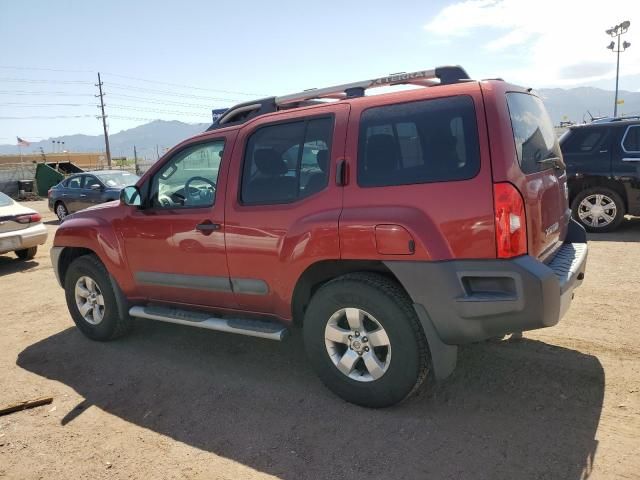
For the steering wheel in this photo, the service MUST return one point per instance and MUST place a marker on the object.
(165, 201)
(188, 192)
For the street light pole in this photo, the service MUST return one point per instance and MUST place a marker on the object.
(617, 32)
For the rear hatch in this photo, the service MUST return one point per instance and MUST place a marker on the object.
(541, 178)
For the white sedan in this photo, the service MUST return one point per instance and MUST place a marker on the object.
(21, 229)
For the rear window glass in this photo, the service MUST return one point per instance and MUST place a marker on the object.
(419, 142)
(533, 132)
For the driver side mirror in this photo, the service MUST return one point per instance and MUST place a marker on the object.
(96, 187)
(131, 196)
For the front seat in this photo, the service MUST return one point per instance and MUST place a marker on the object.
(318, 180)
(271, 184)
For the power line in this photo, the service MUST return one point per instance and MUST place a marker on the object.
(27, 92)
(37, 80)
(153, 110)
(33, 117)
(143, 119)
(45, 69)
(20, 104)
(122, 86)
(185, 86)
(139, 79)
(157, 101)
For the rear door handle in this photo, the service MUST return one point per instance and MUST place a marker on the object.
(208, 227)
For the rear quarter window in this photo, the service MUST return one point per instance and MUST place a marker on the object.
(533, 133)
(419, 142)
(582, 140)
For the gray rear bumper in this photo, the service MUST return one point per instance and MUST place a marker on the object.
(472, 300)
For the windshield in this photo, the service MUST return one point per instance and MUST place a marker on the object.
(123, 179)
(5, 200)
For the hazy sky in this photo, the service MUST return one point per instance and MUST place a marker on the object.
(235, 51)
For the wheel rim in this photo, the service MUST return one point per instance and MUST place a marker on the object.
(597, 210)
(89, 300)
(61, 211)
(357, 344)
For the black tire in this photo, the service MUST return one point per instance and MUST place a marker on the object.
(61, 211)
(27, 253)
(607, 192)
(116, 321)
(410, 359)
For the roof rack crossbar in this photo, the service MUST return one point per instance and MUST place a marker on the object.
(437, 76)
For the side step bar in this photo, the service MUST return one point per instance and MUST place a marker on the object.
(242, 326)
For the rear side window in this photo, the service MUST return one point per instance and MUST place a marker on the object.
(533, 132)
(631, 140)
(419, 142)
(584, 140)
(74, 182)
(286, 162)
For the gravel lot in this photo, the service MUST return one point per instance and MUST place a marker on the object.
(175, 402)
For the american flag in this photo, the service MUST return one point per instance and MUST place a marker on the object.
(22, 142)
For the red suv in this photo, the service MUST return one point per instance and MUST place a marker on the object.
(390, 227)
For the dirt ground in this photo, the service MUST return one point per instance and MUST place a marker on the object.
(176, 402)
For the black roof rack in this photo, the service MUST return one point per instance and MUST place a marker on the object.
(242, 112)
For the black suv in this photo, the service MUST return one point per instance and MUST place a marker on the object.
(603, 169)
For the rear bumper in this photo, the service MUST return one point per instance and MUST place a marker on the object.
(25, 238)
(472, 300)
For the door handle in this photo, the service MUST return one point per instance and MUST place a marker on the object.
(604, 151)
(82, 195)
(208, 227)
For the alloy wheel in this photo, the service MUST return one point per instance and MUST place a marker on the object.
(89, 300)
(597, 210)
(357, 344)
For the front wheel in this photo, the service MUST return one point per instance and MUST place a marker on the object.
(96, 305)
(364, 340)
(598, 209)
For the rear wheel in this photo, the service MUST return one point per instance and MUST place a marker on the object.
(61, 211)
(27, 253)
(364, 340)
(97, 306)
(598, 209)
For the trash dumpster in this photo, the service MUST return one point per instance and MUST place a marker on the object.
(51, 173)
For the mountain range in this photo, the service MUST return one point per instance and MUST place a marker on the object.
(151, 139)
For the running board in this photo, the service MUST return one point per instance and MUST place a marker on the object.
(241, 326)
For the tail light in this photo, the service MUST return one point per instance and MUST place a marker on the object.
(49, 192)
(32, 218)
(511, 225)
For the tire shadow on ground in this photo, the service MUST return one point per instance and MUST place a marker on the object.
(10, 264)
(511, 410)
(628, 231)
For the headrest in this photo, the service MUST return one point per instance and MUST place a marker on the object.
(382, 154)
(269, 162)
(322, 157)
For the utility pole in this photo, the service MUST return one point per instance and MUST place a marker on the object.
(104, 121)
(135, 160)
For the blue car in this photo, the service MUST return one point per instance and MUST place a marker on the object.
(85, 189)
